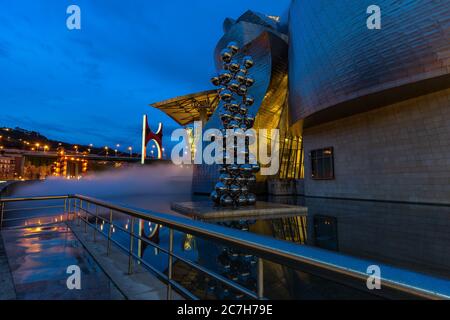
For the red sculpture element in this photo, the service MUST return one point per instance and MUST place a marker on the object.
(148, 135)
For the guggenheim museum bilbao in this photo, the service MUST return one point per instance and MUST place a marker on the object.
(364, 119)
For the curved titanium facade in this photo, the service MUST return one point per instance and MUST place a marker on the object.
(258, 37)
(338, 67)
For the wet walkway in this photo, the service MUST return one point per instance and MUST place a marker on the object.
(38, 259)
(7, 291)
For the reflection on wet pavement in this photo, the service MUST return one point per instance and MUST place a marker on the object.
(39, 257)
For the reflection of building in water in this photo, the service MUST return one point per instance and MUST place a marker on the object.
(7, 167)
(411, 236)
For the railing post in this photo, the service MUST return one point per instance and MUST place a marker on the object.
(109, 232)
(80, 206)
(74, 207)
(96, 221)
(130, 258)
(169, 271)
(139, 248)
(1, 215)
(68, 209)
(86, 216)
(260, 278)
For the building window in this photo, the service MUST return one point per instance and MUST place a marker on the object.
(322, 164)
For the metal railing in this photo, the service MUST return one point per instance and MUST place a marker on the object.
(326, 264)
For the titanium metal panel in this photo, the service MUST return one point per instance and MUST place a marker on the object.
(338, 67)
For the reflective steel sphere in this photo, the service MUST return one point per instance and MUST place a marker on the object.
(234, 189)
(220, 187)
(242, 90)
(221, 88)
(246, 168)
(243, 110)
(242, 200)
(226, 55)
(226, 200)
(249, 81)
(226, 116)
(215, 197)
(251, 179)
(240, 179)
(233, 85)
(233, 47)
(226, 95)
(234, 106)
(226, 178)
(223, 169)
(225, 76)
(249, 100)
(243, 70)
(240, 76)
(233, 168)
(237, 117)
(251, 199)
(255, 168)
(234, 66)
(247, 61)
(226, 106)
(215, 80)
(233, 124)
(249, 121)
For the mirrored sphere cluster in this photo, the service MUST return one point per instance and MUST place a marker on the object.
(234, 82)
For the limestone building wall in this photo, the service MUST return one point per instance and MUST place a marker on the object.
(398, 152)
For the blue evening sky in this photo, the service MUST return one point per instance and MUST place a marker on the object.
(93, 85)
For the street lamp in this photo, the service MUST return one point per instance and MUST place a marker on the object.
(115, 150)
(152, 153)
(163, 154)
(76, 149)
(131, 151)
(106, 149)
(37, 146)
(46, 148)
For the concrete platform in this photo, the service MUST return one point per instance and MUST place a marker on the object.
(206, 210)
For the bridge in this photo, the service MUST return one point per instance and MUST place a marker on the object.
(87, 156)
(40, 164)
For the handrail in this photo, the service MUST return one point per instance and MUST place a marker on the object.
(16, 199)
(333, 265)
(196, 266)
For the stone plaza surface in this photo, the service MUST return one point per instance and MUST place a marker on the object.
(206, 210)
(38, 260)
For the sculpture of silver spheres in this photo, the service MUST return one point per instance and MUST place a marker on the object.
(233, 84)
